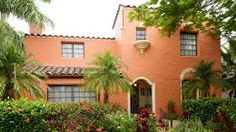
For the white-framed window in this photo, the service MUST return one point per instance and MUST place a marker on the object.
(188, 44)
(73, 50)
(69, 93)
(140, 34)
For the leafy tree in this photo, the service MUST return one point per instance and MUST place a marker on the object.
(16, 73)
(203, 79)
(217, 17)
(107, 74)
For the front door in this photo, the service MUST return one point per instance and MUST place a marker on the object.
(141, 96)
(135, 100)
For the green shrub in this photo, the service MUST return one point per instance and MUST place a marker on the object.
(215, 113)
(120, 122)
(203, 108)
(79, 116)
(229, 106)
(22, 115)
(193, 125)
(225, 118)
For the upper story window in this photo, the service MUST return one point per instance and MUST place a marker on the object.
(73, 50)
(71, 93)
(188, 44)
(140, 34)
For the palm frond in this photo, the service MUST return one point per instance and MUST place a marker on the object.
(106, 72)
(26, 10)
(203, 78)
(7, 33)
(13, 69)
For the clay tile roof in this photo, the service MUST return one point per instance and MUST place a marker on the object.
(66, 36)
(62, 71)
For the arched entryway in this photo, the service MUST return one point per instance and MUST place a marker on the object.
(142, 95)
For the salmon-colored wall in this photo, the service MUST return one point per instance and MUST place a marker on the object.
(161, 63)
(47, 50)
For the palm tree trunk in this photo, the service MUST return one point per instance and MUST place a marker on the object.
(106, 97)
(99, 95)
(210, 91)
(9, 94)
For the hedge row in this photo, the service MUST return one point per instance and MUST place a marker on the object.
(215, 113)
(37, 116)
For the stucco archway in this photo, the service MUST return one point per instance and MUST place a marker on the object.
(153, 88)
(184, 72)
(182, 78)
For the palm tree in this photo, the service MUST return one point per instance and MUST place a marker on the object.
(107, 74)
(203, 79)
(24, 10)
(15, 77)
(16, 73)
(229, 66)
(7, 33)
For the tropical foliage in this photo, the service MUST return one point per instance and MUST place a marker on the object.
(16, 77)
(22, 9)
(17, 74)
(229, 66)
(120, 122)
(107, 74)
(22, 115)
(216, 17)
(202, 108)
(216, 114)
(204, 79)
(192, 125)
(26, 10)
(7, 33)
(147, 122)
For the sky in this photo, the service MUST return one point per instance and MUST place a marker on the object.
(79, 17)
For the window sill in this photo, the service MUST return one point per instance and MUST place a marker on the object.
(72, 58)
(188, 56)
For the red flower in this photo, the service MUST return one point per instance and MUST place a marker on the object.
(98, 130)
(87, 110)
(88, 130)
(27, 121)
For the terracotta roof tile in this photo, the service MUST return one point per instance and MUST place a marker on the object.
(66, 36)
(62, 71)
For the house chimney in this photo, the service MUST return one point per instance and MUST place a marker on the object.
(35, 30)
